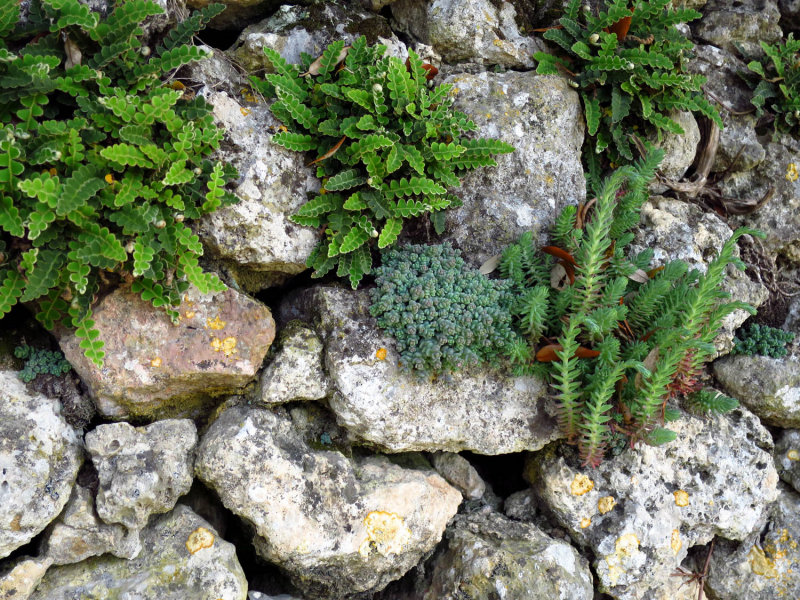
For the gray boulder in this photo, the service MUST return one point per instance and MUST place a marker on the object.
(336, 525)
(40, 455)
(20, 578)
(770, 387)
(787, 457)
(744, 24)
(459, 473)
(182, 557)
(640, 512)
(142, 471)
(541, 116)
(488, 555)
(765, 566)
(484, 411)
(296, 372)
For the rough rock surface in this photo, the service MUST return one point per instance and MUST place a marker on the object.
(787, 457)
(770, 387)
(491, 556)
(726, 24)
(296, 372)
(254, 238)
(678, 230)
(459, 473)
(679, 149)
(237, 12)
(182, 557)
(765, 566)
(79, 533)
(142, 470)
(739, 148)
(475, 31)
(155, 369)
(541, 117)
(641, 511)
(22, 577)
(721, 69)
(336, 525)
(779, 217)
(39, 459)
(293, 30)
(486, 411)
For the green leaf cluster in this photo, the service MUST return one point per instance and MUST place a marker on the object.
(101, 163)
(444, 315)
(762, 340)
(627, 82)
(387, 146)
(710, 401)
(39, 361)
(616, 340)
(776, 84)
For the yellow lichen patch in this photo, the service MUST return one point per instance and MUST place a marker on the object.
(624, 548)
(761, 564)
(200, 538)
(226, 346)
(244, 111)
(675, 541)
(793, 455)
(791, 172)
(109, 178)
(681, 498)
(386, 533)
(156, 362)
(585, 522)
(380, 354)
(580, 485)
(606, 504)
(216, 323)
(189, 314)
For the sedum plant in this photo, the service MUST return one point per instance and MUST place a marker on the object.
(616, 340)
(39, 361)
(443, 315)
(386, 144)
(710, 401)
(100, 162)
(762, 340)
(628, 64)
(777, 86)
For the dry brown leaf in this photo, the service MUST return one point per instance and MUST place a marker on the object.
(73, 54)
(639, 276)
(314, 67)
(490, 265)
(650, 363)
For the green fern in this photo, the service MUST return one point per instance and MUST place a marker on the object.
(390, 143)
(99, 162)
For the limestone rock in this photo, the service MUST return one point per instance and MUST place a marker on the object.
(459, 473)
(745, 24)
(237, 12)
(522, 506)
(770, 387)
(336, 525)
(142, 470)
(678, 230)
(182, 557)
(765, 566)
(721, 69)
(476, 31)
(155, 369)
(787, 457)
(641, 511)
(484, 411)
(739, 148)
(491, 556)
(22, 577)
(541, 116)
(296, 372)
(254, 238)
(40, 455)
(78, 533)
(679, 149)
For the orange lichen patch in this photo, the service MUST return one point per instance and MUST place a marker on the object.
(585, 522)
(244, 111)
(580, 485)
(606, 504)
(681, 498)
(176, 85)
(380, 354)
(53, 171)
(216, 323)
(761, 564)
(200, 538)
(793, 455)
(109, 178)
(675, 541)
(386, 533)
(791, 172)
(226, 346)
(156, 362)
